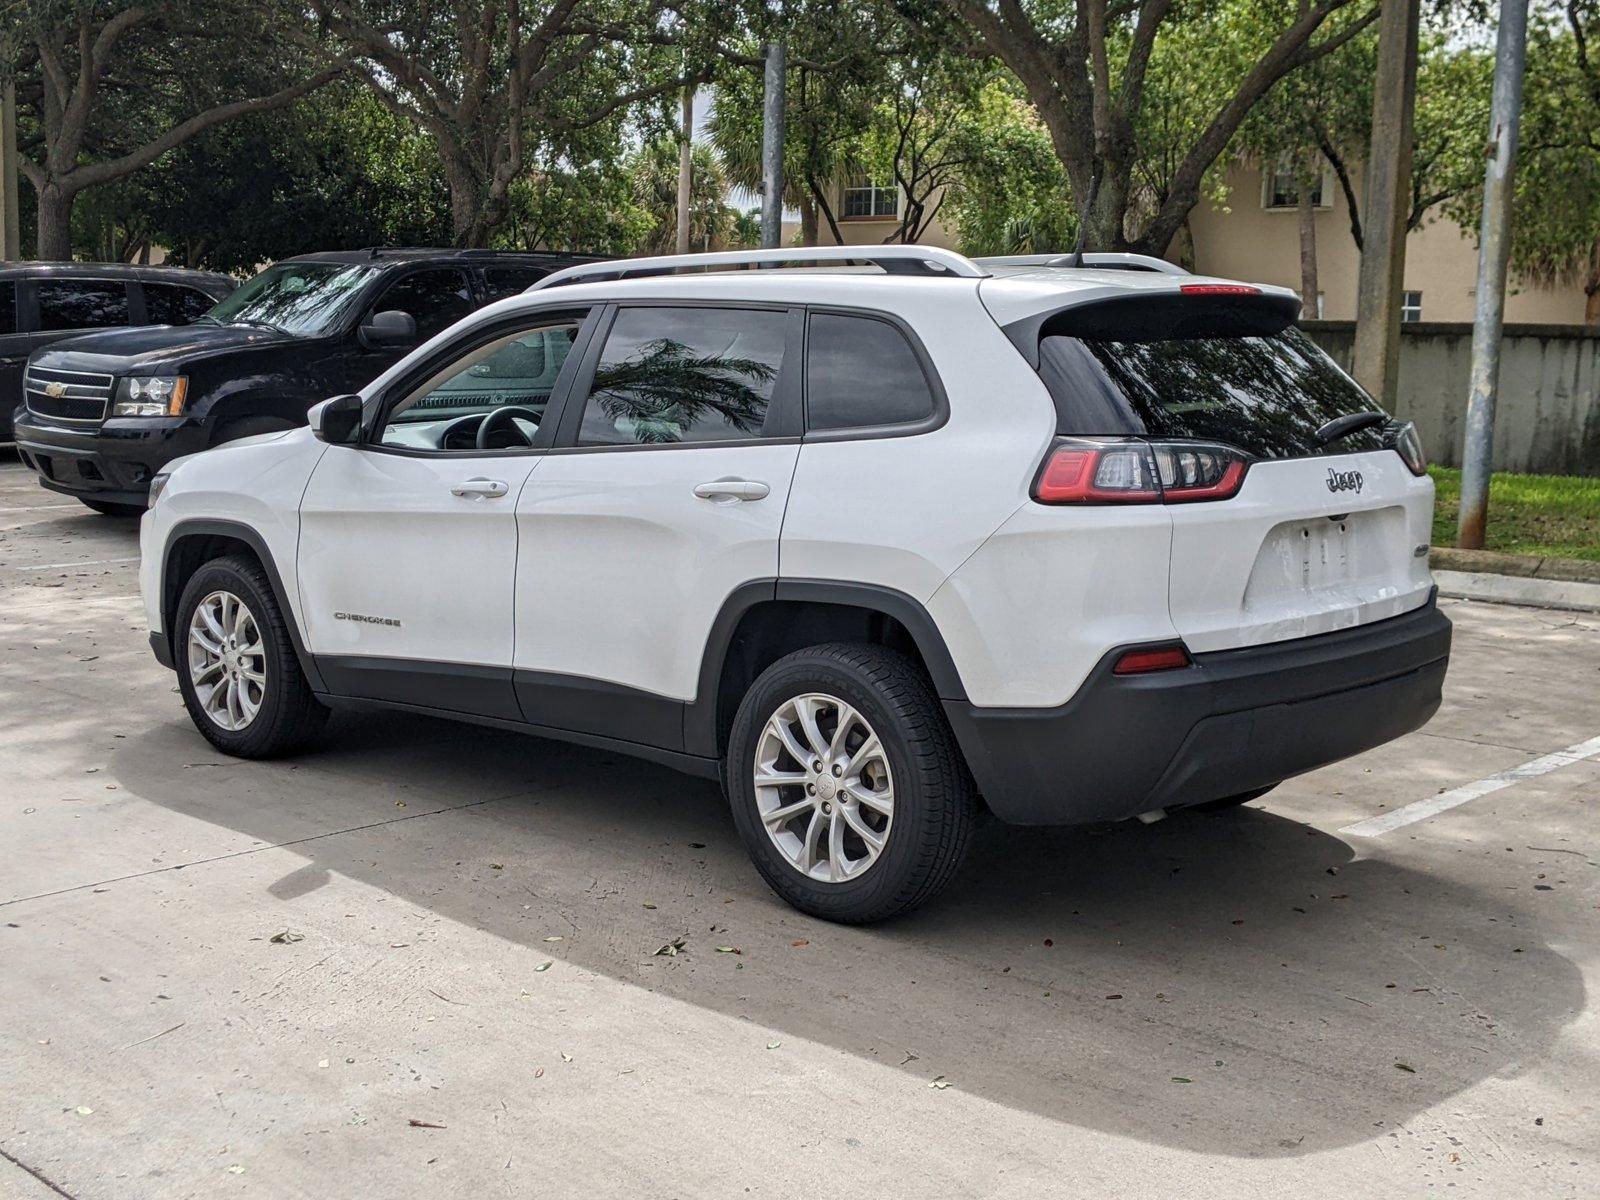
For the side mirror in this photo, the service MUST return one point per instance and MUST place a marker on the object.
(337, 421)
(388, 330)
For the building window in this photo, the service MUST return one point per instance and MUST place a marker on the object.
(1410, 307)
(864, 198)
(1280, 188)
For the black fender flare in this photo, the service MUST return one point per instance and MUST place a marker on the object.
(213, 527)
(700, 717)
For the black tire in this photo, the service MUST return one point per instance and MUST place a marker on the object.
(1229, 802)
(935, 801)
(107, 509)
(289, 715)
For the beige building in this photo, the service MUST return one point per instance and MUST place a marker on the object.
(1255, 235)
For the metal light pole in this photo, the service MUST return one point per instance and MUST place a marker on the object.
(772, 148)
(685, 171)
(1494, 247)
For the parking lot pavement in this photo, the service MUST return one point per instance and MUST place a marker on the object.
(469, 1001)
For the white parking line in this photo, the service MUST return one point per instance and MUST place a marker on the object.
(1434, 805)
(93, 562)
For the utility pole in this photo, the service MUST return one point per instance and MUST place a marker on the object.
(10, 228)
(772, 148)
(1375, 360)
(685, 170)
(1494, 247)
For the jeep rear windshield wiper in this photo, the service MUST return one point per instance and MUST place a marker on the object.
(1343, 427)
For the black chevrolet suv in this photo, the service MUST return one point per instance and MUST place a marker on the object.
(102, 413)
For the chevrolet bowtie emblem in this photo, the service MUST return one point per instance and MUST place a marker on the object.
(55, 390)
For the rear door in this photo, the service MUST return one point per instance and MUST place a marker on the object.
(1318, 537)
(664, 494)
(13, 357)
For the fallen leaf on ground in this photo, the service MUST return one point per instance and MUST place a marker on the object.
(544, 966)
(566, 1057)
(235, 1169)
(286, 936)
(729, 950)
(555, 937)
(940, 1082)
(416, 1124)
(773, 1045)
(1181, 1079)
(84, 1110)
(801, 942)
(538, 1072)
(1406, 1067)
(675, 947)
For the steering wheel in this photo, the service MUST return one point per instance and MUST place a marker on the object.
(502, 416)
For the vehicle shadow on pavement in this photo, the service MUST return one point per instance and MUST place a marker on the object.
(1234, 983)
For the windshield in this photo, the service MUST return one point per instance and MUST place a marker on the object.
(303, 298)
(1266, 395)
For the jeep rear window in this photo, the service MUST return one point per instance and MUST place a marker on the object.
(1266, 395)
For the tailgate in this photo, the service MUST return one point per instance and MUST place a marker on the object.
(1290, 556)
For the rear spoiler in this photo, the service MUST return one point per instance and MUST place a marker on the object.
(1190, 311)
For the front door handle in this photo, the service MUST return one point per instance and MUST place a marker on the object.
(479, 487)
(732, 489)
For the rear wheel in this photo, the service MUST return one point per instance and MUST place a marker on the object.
(237, 669)
(846, 783)
(1228, 802)
(107, 509)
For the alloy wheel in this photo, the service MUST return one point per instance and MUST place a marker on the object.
(227, 662)
(824, 789)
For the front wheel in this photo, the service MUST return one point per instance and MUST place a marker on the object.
(108, 509)
(846, 784)
(237, 669)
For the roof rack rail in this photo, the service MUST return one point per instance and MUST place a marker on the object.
(895, 260)
(1100, 262)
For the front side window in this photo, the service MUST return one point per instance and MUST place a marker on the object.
(298, 298)
(434, 299)
(8, 306)
(862, 372)
(505, 385)
(865, 197)
(81, 303)
(680, 375)
(173, 304)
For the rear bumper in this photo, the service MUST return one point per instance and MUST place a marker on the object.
(113, 461)
(1234, 721)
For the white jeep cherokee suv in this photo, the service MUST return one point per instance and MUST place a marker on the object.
(881, 550)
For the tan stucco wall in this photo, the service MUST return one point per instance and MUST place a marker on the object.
(860, 231)
(1242, 240)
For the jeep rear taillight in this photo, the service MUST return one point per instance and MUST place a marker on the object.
(1079, 471)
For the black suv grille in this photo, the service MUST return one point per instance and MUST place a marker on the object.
(79, 396)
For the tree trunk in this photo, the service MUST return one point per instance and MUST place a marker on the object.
(808, 221)
(1591, 287)
(55, 224)
(1308, 252)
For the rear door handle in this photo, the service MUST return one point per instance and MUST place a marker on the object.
(479, 487)
(732, 489)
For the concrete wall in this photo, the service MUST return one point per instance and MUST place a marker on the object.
(1547, 419)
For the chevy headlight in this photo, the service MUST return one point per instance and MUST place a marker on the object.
(150, 396)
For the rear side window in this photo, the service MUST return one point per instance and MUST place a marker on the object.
(435, 299)
(862, 372)
(173, 304)
(681, 375)
(509, 280)
(1266, 395)
(8, 306)
(81, 303)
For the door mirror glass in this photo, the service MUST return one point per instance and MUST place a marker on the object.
(337, 421)
(389, 330)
